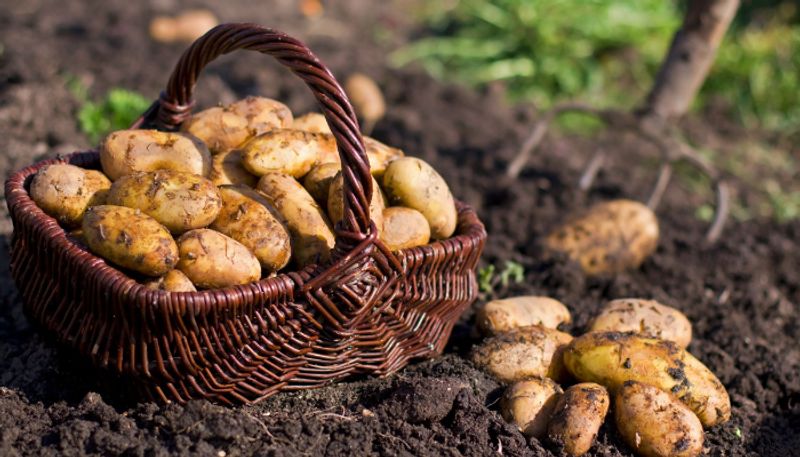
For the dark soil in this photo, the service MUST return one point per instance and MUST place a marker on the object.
(741, 295)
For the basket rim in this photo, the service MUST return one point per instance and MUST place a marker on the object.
(468, 230)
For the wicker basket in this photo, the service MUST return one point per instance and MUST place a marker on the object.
(369, 311)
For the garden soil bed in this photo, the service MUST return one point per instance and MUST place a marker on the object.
(742, 295)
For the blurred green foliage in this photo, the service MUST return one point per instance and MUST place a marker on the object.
(118, 109)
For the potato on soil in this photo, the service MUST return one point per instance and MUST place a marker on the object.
(655, 424)
(186, 27)
(529, 404)
(609, 238)
(510, 313)
(212, 260)
(646, 317)
(525, 352)
(226, 127)
(611, 358)
(309, 227)
(292, 152)
(174, 281)
(130, 239)
(336, 202)
(318, 181)
(250, 219)
(227, 168)
(577, 418)
(179, 201)
(64, 191)
(404, 228)
(366, 97)
(311, 122)
(412, 183)
(127, 151)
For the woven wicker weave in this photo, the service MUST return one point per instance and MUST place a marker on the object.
(369, 311)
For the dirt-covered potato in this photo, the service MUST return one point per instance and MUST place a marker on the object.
(179, 201)
(510, 313)
(525, 352)
(609, 238)
(404, 228)
(250, 219)
(577, 418)
(529, 404)
(655, 424)
(130, 239)
(173, 281)
(292, 152)
(412, 183)
(310, 230)
(64, 191)
(127, 151)
(336, 202)
(212, 260)
(611, 358)
(312, 122)
(380, 156)
(227, 168)
(318, 181)
(226, 127)
(647, 317)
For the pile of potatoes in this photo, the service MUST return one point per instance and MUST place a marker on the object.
(241, 192)
(633, 353)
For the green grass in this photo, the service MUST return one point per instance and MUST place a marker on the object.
(488, 279)
(118, 109)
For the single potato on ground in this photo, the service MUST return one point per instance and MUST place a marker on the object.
(646, 317)
(529, 405)
(507, 314)
(525, 352)
(577, 418)
(65, 191)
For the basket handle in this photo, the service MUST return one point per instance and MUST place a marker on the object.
(175, 104)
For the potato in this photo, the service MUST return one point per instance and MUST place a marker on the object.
(130, 239)
(529, 404)
(212, 260)
(292, 152)
(179, 201)
(250, 219)
(380, 156)
(318, 181)
(173, 281)
(367, 99)
(64, 191)
(412, 183)
(227, 168)
(186, 27)
(336, 202)
(126, 151)
(522, 353)
(309, 228)
(312, 122)
(656, 424)
(610, 237)
(226, 127)
(510, 313)
(611, 358)
(404, 228)
(577, 418)
(647, 317)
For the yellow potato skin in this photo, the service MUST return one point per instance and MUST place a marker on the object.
(612, 358)
(64, 191)
(380, 156)
(529, 404)
(647, 317)
(250, 219)
(310, 230)
(404, 228)
(318, 181)
(610, 237)
(212, 260)
(127, 151)
(522, 353)
(179, 201)
(655, 424)
(130, 239)
(412, 183)
(227, 168)
(336, 202)
(292, 152)
(510, 313)
(173, 281)
(312, 122)
(262, 114)
(577, 417)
